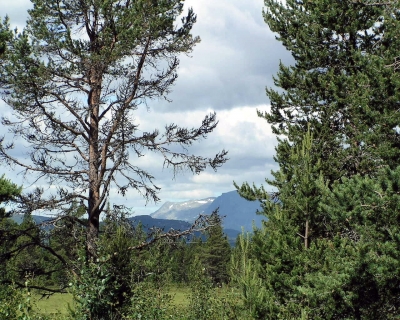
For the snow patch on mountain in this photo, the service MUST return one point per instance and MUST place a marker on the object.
(186, 211)
(237, 212)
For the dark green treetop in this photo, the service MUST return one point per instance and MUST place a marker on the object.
(355, 273)
(340, 83)
(217, 250)
(8, 191)
(343, 90)
(5, 35)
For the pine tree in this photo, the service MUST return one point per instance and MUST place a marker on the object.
(8, 192)
(216, 255)
(74, 79)
(5, 35)
(365, 263)
(340, 83)
(343, 90)
(348, 269)
(293, 224)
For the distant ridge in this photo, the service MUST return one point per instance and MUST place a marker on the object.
(18, 218)
(238, 211)
(186, 210)
(147, 223)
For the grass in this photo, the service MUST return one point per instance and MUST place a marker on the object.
(180, 295)
(58, 302)
(54, 304)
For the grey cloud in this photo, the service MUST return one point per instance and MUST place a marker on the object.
(230, 68)
(16, 11)
(232, 65)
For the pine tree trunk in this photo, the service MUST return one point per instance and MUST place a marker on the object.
(94, 158)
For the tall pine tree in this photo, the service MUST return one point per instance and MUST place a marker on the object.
(294, 223)
(217, 251)
(320, 256)
(340, 83)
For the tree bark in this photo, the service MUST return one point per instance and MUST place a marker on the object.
(94, 158)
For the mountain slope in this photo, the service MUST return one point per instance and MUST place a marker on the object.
(186, 211)
(237, 211)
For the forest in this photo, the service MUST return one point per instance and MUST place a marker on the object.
(329, 245)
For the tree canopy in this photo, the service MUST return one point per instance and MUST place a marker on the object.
(8, 192)
(341, 84)
(329, 249)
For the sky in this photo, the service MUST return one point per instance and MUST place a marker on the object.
(227, 72)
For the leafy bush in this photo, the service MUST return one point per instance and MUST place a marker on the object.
(9, 301)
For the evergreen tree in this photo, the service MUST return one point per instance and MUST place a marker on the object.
(8, 192)
(349, 268)
(363, 277)
(319, 254)
(216, 254)
(75, 77)
(339, 84)
(244, 272)
(293, 224)
(5, 36)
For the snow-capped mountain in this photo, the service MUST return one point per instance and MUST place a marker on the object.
(186, 211)
(237, 211)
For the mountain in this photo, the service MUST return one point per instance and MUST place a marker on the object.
(186, 211)
(18, 218)
(165, 224)
(237, 211)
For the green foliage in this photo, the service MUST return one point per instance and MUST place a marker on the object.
(5, 36)
(8, 191)
(128, 280)
(216, 254)
(9, 301)
(329, 249)
(66, 237)
(366, 212)
(340, 84)
(244, 271)
(93, 291)
(16, 304)
(103, 286)
(204, 302)
(201, 293)
(151, 301)
(349, 270)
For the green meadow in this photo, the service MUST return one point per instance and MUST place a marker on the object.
(59, 303)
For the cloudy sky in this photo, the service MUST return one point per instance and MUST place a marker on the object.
(227, 73)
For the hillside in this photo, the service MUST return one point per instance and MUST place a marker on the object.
(237, 211)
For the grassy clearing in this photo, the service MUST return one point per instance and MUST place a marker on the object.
(58, 303)
(180, 296)
(54, 304)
